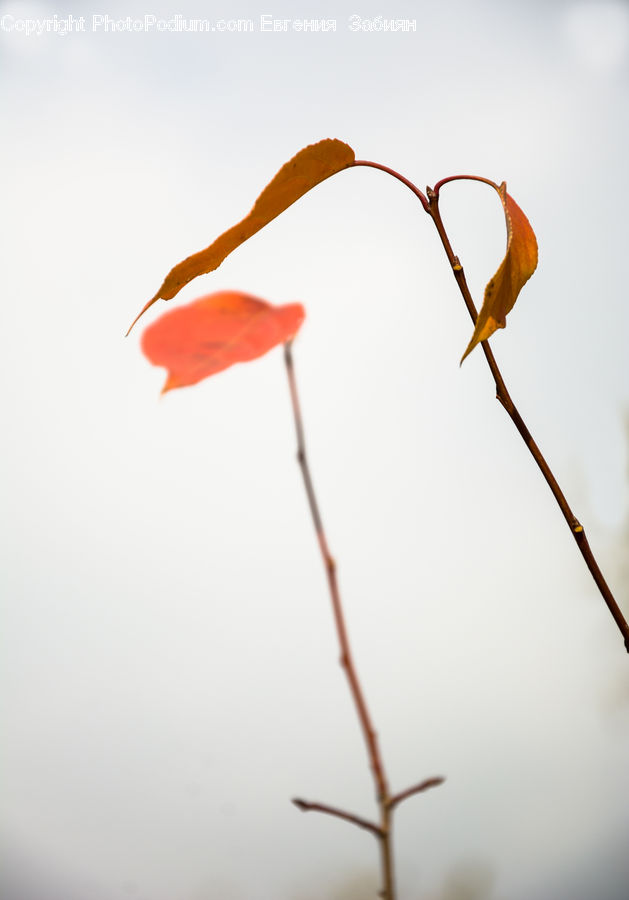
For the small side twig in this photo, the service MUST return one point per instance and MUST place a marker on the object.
(416, 789)
(306, 806)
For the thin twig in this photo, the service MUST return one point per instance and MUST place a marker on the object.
(431, 206)
(369, 733)
(416, 789)
(346, 656)
(306, 806)
(502, 394)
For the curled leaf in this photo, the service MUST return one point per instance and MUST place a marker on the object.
(308, 168)
(518, 265)
(214, 332)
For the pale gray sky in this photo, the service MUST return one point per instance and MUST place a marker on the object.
(169, 664)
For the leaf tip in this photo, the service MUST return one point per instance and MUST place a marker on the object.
(468, 350)
(142, 311)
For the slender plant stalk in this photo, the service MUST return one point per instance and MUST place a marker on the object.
(503, 396)
(383, 830)
(431, 206)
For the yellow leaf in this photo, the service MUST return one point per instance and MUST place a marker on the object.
(515, 270)
(308, 168)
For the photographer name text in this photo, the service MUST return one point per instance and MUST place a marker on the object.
(103, 23)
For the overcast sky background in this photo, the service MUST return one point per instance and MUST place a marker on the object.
(169, 664)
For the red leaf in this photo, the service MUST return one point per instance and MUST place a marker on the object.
(214, 332)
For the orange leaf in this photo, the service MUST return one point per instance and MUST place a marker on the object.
(308, 168)
(214, 332)
(515, 270)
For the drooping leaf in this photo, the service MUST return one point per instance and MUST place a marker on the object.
(214, 332)
(308, 168)
(518, 265)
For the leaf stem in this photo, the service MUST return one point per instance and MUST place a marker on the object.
(503, 396)
(450, 178)
(409, 184)
(371, 739)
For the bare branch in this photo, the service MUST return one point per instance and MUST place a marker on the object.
(383, 831)
(416, 789)
(306, 806)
